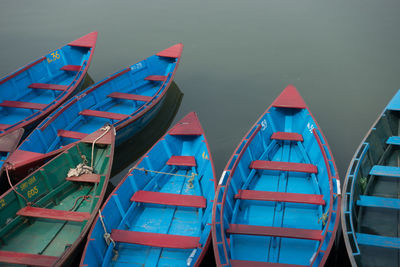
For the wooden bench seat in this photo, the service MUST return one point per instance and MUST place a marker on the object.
(242, 263)
(287, 136)
(379, 202)
(283, 166)
(281, 197)
(20, 104)
(378, 241)
(26, 258)
(169, 199)
(103, 114)
(134, 97)
(48, 86)
(71, 134)
(156, 78)
(155, 239)
(85, 178)
(62, 215)
(188, 161)
(387, 171)
(244, 229)
(71, 68)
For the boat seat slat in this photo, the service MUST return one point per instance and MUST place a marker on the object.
(378, 202)
(388, 171)
(26, 258)
(283, 166)
(155, 239)
(188, 126)
(287, 136)
(156, 78)
(281, 197)
(143, 98)
(71, 134)
(244, 229)
(378, 241)
(54, 214)
(189, 161)
(393, 140)
(169, 199)
(20, 104)
(48, 86)
(242, 263)
(103, 114)
(71, 68)
(86, 178)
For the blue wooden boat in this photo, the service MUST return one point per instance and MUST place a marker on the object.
(128, 100)
(278, 200)
(31, 93)
(160, 213)
(371, 204)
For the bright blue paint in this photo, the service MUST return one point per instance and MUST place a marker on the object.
(394, 104)
(153, 217)
(378, 241)
(379, 202)
(393, 140)
(132, 82)
(388, 171)
(16, 89)
(266, 213)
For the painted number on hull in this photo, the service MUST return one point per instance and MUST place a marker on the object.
(310, 127)
(32, 192)
(264, 125)
(53, 57)
(2, 203)
(137, 66)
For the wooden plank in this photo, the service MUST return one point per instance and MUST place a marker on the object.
(71, 68)
(287, 136)
(189, 125)
(378, 241)
(283, 166)
(189, 161)
(62, 215)
(393, 140)
(160, 78)
(103, 114)
(134, 97)
(281, 197)
(26, 258)
(243, 229)
(86, 178)
(21, 104)
(48, 86)
(388, 171)
(155, 239)
(379, 202)
(169, 199)
(71, 134)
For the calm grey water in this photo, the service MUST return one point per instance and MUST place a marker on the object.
(343, 56)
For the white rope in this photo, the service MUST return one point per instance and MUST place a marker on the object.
(167, 173)
(105, 129)
(107, 235)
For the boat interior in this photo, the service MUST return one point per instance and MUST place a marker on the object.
(276, 201)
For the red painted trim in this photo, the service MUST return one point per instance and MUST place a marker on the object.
(48, 86)
(174, 51)
(245, 229)
(169, 199)
(240, 263)
(16, 73)
(56, 114)
(283, 166)
(89, 40)
(155, 239)
(126, 96)
(63, 215)
(20, 104)
(71, 68)
(189, 125)
(103, 114)
(160, 78)
(189, 161)
(280, 196)
(287, 136)
(26, 258)
(71, 134)
(289, 98)
(85, 178)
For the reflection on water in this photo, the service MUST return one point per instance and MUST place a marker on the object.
(137, 145)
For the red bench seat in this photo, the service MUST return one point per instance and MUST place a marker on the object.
(283, 166)
(281, 197)
(20, 104)
(130, 96)
(62, 215)
(169, 199)
(48, 86)
(103, 114)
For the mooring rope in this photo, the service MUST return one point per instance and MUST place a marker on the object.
(167, 173)
(15, 190)
(105, 129)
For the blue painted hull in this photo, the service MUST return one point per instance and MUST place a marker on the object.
(31, 93)
(172, 233)
(128, 100)
(278, 198)
(370, 207)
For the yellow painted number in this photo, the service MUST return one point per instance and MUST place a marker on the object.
(32, 192)
(53, 57)
(2, 203)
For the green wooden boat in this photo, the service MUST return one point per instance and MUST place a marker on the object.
(44, 217)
